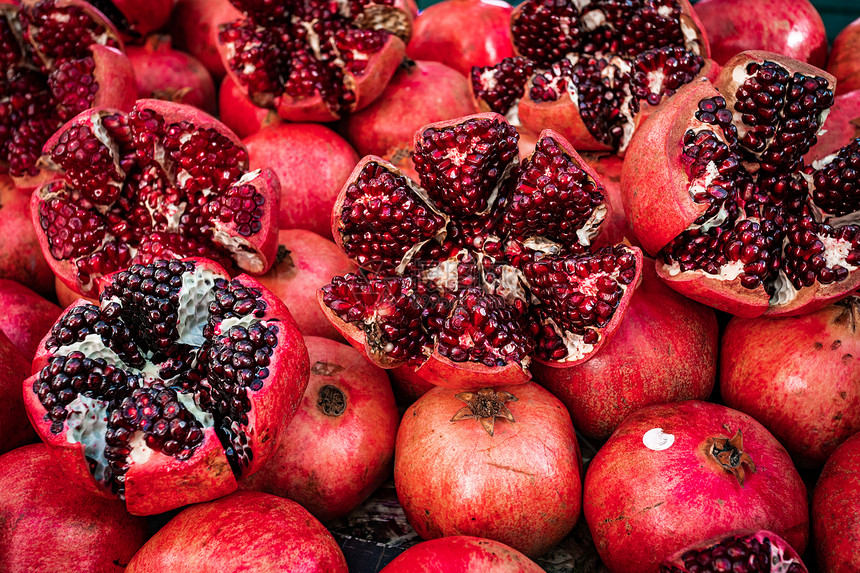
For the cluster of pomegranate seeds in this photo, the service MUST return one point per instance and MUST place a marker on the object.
(740, 553)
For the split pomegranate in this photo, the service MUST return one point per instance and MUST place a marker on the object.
(749, 551)
(674, 474)
(194, 26)
(843, 127)
(339, 447)
(314, 61)
(15, 429)
(835, 520)
(174, 387)
(26, 316)
(793, 28)
(46, 525)
(164, 180)
(798, 376)
(482, 267)
(587, 69)
(245, 531)
(21, 258)
(136, 19)
(60, 57)
(842, 62)
(716, 188)
(461, 554)
(500, 463)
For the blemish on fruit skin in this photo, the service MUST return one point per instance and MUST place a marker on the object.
(657, 440)
(847, 358)
(818, 346)
(836, 344)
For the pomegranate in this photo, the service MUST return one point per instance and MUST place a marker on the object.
(339, 448)
(305, 263)
(664, 351)
(461, 554)
(418, 94)
(172, 389)
(835, 521)
(408, 386)
(135, 19)
(463, 33)
(245, 531)
(239, 113)
(15, 429)
(793, 28)
(314, 61)
(26, 317)
(842, 62)
(66, 296)
(483, 266)
(61, 57)
(21, 259)
(751, 551)
(673, 474)
(165, 73)
(716, 188)
(590, 70)
(45, 525)
(797, 376)
(500, 463)
(194, 26)
(164, 180)
(843, 127)
(616, 227)
(312, 163)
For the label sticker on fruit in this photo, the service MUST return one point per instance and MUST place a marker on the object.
(655, 439)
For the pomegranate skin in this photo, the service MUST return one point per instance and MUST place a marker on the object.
(408, 384)
(799, 376)
(66, 296)
(308, 262)
(194, 27)
(334, 455)
(438, 34)
(842, 62)
(45, 525)
(26, 316)
(420, 93)
(664, 351)
(21, 258)
(835, 520)
(843, 126)
(239, 113)
(15, 428)
(312, 163)
(145, 17)
(790, 27)
(461, 554)
(521, 486)
(669, 494)
(245, 531)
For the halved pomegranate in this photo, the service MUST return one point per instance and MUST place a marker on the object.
(587, 69)
(717, 189)
(176, 385)
(759, 551)
(485, 264)
(315, 61)
(163, 181)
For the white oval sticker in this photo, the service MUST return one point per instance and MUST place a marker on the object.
(655, 439)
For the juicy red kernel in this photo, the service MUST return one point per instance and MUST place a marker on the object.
(745, 554)
(241, 205)
(73, 86)
(675, 66)
(62, 31)
(837, 184)
(501, 86)
(88, 164)
(71, 231)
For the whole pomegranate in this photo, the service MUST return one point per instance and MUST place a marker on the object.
(164, 180)
(135, 19)
(462, 34)
(239, 113)
(461, 554)
(168, 74)
(26, 316)
(420, 92)
(15, 428)
(674, 474)
(500, 463)
(21, 258)
(408, 386)
(842, 62)
(194, 25)
(716, 188)
(664, 351)
(750, 551)
(245, 531)
(483, 267)
(793, 28)
(305, 263)
(798, 376)
(312, 163)
(339, 447)
(835, 521)
(174, 387)
(314, 61)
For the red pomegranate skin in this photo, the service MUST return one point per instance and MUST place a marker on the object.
(844, 59)
(239, 113)
(420, 93)
(21, 257)
(46, 525)
(438, 34)
(330, 462)
(312, 163)
(66, 296)
(26, 317)
(461, 554)
(790, 27)
(194, 27)
(843, 125)
(15, 428)
(245, 531)
(835, 519)
(664, 351)
(408, 385)
(643, 504)
(520, 487)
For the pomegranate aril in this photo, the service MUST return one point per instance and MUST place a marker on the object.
(501, 86)
(837, 184)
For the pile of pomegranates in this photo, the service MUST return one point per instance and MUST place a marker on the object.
(466, 285)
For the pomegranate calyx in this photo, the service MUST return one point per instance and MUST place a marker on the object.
(485, 405)
(331, 400)
(730, 455)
